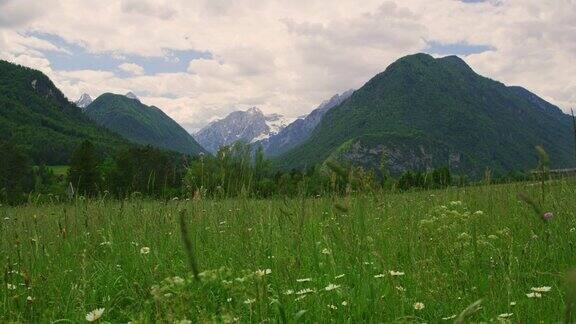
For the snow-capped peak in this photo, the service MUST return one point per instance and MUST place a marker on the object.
(131, 95)
(84, 101)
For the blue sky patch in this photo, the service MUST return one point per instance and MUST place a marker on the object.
(460, 48)
(78, 58)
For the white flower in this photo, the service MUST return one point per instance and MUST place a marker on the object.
(304, 280)
(95, 314)
(332, 307)
(11, 286)
(288, 292)
(262, 273)
(30, 299)
(145, 250)
(326, 251)
(249, 301)
(344, 303)
(339, 276)
(380, 275)
(331, 287)
(400, 288)
(534, 295)
(478, 212)
(396, 273)
(541, 289)
(447, 318)
(177, 280)
(305, 291)
(505, 315)
(513, 303)
(419, 306)
(107, 243)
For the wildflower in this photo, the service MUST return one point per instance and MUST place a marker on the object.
(326, 251)
(547, 216)
(288, 292)
(505, 315)
(305, 291)
(106, 243)
(400, 288)
(331, 287)
(513, 303)
(534, 295)
(339, 276)
(344, 303)
(304, 280)
(300, 298)
(262, 273)
(95, 315)
(177, 280)
(145, 250)
(380, 275)
(419, 306)
(249, 301)
(11, 286)
(447, 318)
(332, 307)
(396, 273)
(29, 299)
(229, 299)
(478, 212)
(541, 289)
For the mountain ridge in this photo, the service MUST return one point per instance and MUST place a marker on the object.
(464, 118)
(142, 124)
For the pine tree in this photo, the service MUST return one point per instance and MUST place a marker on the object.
(84, 172)
(16, 176)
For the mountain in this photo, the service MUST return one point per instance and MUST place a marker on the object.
(84, 101)
(142, 124)
(423, 112)
(249, 126)
(39, 119)
(298, 131)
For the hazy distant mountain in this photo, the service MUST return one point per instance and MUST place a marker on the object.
(142, 124)
(423, 112)
(37, 117)
(298, 131)
(248, 126)
(84, 101)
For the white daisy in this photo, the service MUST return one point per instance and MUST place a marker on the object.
(95, 314)
(534, 295)
(145, 250)
(541, 289)
(396, 273)
(419, 306)
(331, 287)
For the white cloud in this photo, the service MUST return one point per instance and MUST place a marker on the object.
(132, 68)
(287, 56)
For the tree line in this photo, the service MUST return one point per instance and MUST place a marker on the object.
(234, 171)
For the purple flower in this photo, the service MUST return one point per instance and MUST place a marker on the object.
(547, 216)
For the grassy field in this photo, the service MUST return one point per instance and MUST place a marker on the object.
(383, 257)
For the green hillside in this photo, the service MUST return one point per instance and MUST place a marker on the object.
(423, 112)
(37, 117)
(141, 124)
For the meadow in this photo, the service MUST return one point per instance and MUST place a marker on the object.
(458, 254)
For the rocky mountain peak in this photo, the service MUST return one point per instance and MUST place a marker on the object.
(84, 101)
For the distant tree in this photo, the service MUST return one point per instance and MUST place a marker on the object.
(84, 172)
(16, 175)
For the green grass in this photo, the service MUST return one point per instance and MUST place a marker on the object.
(59, 170)
(77, 257)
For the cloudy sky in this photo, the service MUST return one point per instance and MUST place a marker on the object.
(199, 60)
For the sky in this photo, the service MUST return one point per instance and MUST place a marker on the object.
(199, 60)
